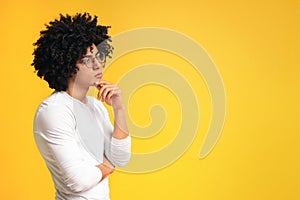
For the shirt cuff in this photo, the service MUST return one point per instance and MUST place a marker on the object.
(98, 175)
(121, 142)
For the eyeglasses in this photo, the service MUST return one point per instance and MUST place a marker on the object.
(89, 61)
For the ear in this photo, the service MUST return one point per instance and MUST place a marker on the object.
(72, 78)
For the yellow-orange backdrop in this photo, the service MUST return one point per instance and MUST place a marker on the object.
(255, 45)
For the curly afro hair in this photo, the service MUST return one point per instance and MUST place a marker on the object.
(63, 43)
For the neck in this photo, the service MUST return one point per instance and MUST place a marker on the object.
(77, 92)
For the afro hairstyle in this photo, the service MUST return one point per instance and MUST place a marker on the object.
(64, 42)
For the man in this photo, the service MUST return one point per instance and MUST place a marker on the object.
(72, 131)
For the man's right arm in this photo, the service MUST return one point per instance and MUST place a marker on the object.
(55, 138)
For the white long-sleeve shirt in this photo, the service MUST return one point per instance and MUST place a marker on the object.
(73, 137)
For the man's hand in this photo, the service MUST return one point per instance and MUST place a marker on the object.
(105, 169)
(110, 94)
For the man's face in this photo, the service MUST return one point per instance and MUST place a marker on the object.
(90, 68)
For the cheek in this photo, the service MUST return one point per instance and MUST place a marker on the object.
(84, 77)
(79, 77)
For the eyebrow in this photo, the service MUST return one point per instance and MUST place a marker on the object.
(90, 56)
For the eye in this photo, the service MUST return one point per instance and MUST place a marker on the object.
(86, 60)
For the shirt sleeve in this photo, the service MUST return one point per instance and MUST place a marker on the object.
(117, 151)
(55, 137)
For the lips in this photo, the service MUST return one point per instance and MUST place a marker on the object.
(98, 76)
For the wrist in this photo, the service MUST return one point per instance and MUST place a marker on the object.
(117, 103)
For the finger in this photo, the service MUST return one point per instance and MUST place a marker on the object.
(112, 93)
(98, 95)
(103, 86)
(99, 86)
(101, 83)
(105, 91)
(101, 92)
(104, 82)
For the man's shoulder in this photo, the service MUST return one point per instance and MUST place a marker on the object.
(54, 110)
(57, 101)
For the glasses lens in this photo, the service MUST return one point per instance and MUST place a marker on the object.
(101, 57)
(86, 61)
(89, 61)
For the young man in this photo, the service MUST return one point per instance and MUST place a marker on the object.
(72, 131)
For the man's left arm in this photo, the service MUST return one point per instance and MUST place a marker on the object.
(118, 151)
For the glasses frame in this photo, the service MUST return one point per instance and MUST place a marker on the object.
(89, 60)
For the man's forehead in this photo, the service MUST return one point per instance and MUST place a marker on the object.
(91, 50)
